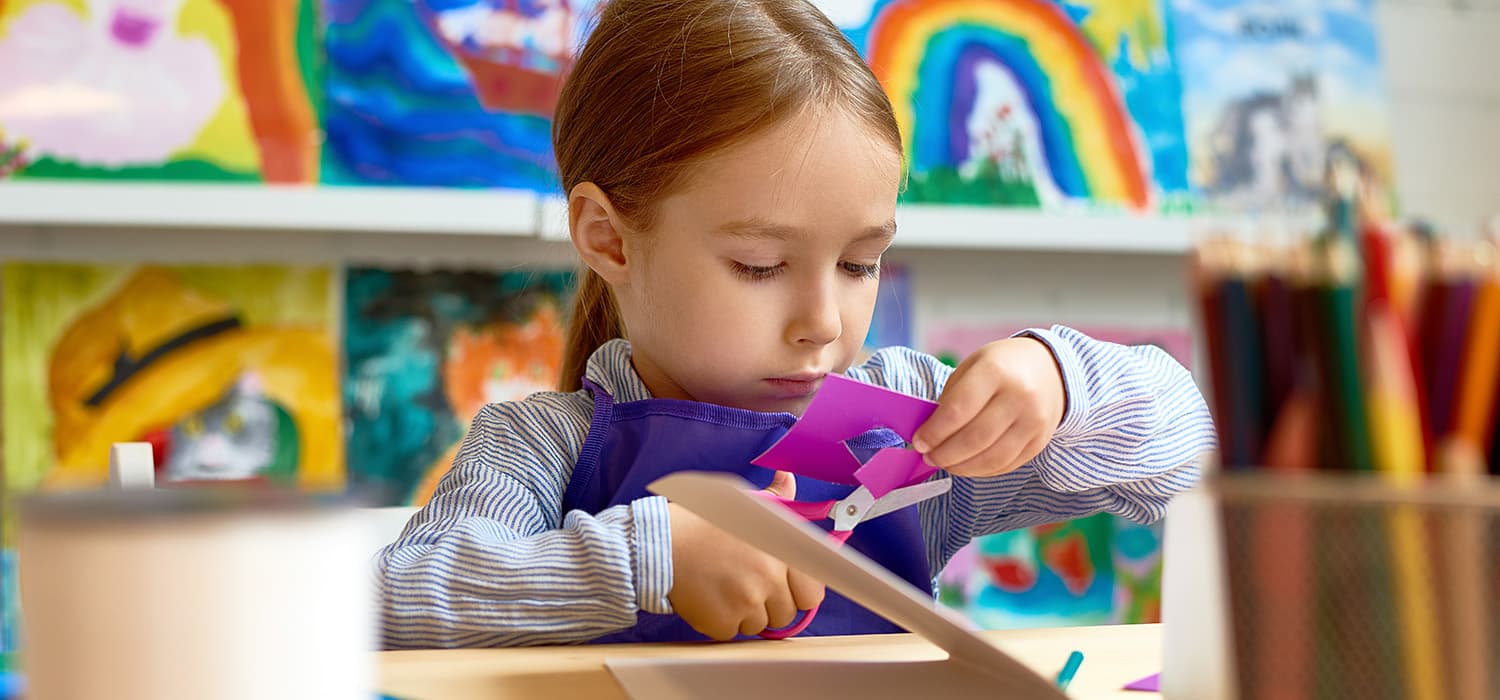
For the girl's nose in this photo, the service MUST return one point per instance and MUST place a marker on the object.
(815, 317)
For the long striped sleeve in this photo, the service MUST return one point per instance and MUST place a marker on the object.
(1131, 437)
(492, 561)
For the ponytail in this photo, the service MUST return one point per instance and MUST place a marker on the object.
(595, 321)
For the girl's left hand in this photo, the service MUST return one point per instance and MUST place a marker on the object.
(998, 410)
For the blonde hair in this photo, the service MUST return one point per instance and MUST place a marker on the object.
(663, 83)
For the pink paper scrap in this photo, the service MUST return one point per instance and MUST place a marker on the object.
(1150, 684)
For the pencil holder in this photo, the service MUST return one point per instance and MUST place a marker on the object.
(1354, 587)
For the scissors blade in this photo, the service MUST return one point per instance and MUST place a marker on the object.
(861, 505)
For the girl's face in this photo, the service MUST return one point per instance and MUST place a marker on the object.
(759, 275)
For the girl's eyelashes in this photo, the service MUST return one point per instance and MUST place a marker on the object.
(860, 270)
(759, 273)
(755, 273)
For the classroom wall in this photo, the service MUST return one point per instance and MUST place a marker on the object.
(1445, 102)
(1445, 106)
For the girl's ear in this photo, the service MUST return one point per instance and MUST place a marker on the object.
(596, 230)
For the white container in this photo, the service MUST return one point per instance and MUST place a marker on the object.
(1197, 661)
(166, 595)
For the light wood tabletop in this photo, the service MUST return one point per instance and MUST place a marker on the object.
(1113, 657)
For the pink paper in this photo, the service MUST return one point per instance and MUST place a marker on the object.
(892, 468)
(842, 409)
(1150, 684)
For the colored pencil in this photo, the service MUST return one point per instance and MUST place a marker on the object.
(1344, 384)
(1459, 291)
(1481, 359)
(1396, 431)
(1207, 268)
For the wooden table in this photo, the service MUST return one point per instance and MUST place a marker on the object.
(1113, 657)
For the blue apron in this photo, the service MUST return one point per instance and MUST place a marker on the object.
(632, 444)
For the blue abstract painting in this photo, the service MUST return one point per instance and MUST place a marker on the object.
(449, 93)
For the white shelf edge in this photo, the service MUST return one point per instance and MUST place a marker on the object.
(322, 207)
(552, 218)
(980, 228)
(412, 210)
(932, 226)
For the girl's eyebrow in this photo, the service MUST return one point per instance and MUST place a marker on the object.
(761, 229)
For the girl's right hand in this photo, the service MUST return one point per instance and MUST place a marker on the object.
(724, 587)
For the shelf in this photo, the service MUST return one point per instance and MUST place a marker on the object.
(978, 228)
(926, 226)
(372, 209)
(520, 213)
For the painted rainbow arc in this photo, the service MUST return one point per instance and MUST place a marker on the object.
(1085, 130)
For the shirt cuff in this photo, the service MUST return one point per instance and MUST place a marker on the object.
(652, 541)
(1075, 390)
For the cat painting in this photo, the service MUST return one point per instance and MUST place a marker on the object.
(426, 350)
(243, 435)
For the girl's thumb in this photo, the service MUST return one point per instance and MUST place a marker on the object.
(783, 485)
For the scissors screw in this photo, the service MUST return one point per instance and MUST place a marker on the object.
(852, 510)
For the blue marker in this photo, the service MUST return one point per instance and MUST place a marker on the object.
(1070, 669)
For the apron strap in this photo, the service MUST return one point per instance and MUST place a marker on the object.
(593, 447)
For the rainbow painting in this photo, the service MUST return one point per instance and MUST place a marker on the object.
(1029, 102)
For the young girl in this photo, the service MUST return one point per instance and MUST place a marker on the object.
(732, 169)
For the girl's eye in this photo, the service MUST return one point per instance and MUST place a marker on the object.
(861, 271)
(756, 274)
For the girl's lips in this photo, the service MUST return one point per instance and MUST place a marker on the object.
(795, 387)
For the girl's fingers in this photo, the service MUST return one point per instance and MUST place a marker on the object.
(754, 622)
(976, 436)
(965, 395)
(1007, 453)
(781, 607)
(807, 592)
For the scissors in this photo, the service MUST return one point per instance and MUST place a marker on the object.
(857, 507)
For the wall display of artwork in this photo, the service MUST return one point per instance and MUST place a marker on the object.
(1032, 103)
(1098, 570)
(1273, 91)
(217, 90)
(1147, 106)
(228, 371)
(425, 350)
(444, 93)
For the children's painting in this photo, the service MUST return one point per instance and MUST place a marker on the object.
(229, 372)
(1272, 91)
(1102, 569)
(159, 89)
(425, 350)
(447, 92)
(1032, 103)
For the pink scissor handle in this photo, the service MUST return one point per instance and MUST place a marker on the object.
(796, 628)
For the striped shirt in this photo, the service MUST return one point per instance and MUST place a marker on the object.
(493, 561)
